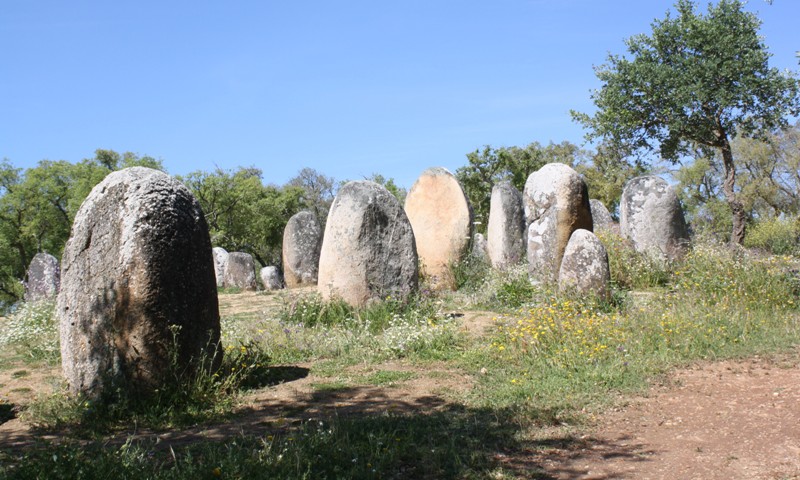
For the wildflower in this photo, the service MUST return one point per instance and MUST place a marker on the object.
(217, 472)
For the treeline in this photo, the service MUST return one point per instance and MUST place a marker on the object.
(38, 205)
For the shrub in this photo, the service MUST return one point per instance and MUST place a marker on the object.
(778, 236)
(470, 272)
(631, 269)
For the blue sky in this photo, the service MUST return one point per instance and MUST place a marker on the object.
(349, 88)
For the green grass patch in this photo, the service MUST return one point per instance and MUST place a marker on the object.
(181, 400)
(567, 355)
(459, 443)
(388, 377)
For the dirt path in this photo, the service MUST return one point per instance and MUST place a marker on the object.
(726, 420)
(723, 420)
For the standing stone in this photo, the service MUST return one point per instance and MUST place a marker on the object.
(43, 278)
(220, 260)
(240, 271)
(584, 269)
(479, 247)
(441, 217)
(368, 249)
(652, 218)
(271, 278)
(137, 282)
(601, 218)
(302, 240)
(556, 202)
(506, 230)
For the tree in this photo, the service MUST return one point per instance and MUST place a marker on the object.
(319, 191)
(769, 174)
(398, 192)
(606, 171)
(243, 214)
(697, 81)
(38, 206)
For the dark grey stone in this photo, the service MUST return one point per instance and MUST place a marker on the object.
(137, 282)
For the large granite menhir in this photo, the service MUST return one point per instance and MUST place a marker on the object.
(506, 230)
(43, 278)
(137, 281)
(650, 215)
(240, 271)
(441, 217)
(368, 250)
(556, 202)
(302, 240)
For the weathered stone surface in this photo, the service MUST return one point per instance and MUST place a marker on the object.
(479, 247)
(601, 217)
(584, 268)
(220, 260)
(240, 271)
(652, 218)
(43, 278)
(506, 230)
(441, 217)
(556, 202)
(271, 278)
(302, 240)
(137, 280)
(368, 250)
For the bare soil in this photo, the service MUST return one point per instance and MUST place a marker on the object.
(717, 420)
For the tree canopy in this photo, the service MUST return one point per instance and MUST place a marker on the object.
(697, 81)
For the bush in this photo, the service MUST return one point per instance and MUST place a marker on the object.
(631, 269)
(470, 273)
(778, 236)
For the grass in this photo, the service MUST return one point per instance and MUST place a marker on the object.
(550, 360)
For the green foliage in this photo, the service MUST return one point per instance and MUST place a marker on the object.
(318, 192)
(398, 192)
(606, 173)
(778, 236)
(695, 83)
(455, 443)
(631, 270)
(491, 165)
(769, 172)
(243, 214)
(470, 272)
(38, 205)
(182, 399)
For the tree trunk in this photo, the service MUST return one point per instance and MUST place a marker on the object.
(737, 208)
